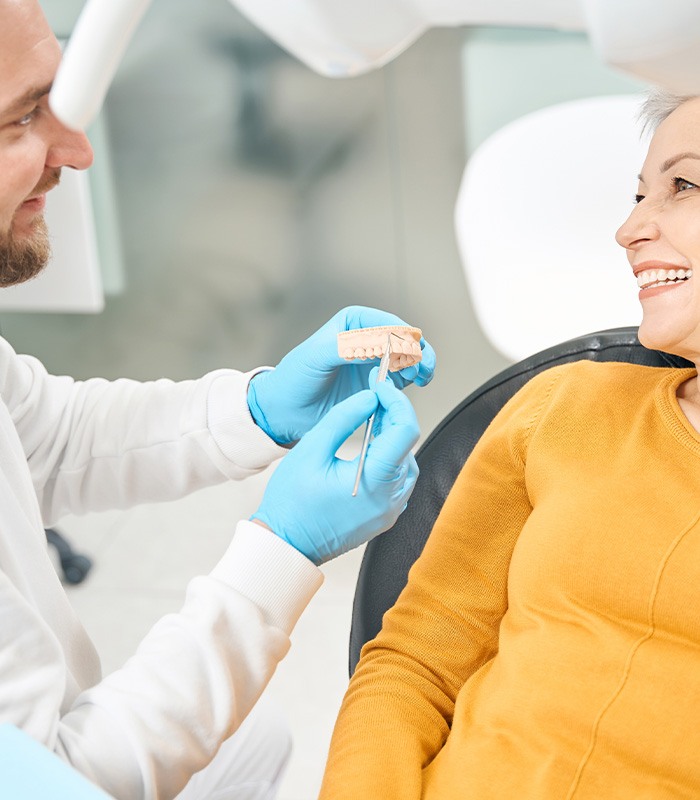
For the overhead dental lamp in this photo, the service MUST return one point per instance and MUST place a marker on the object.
(658, 42)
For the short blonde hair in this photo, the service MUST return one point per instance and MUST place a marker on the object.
(658, 105)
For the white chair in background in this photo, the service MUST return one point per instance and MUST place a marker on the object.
(536, 216)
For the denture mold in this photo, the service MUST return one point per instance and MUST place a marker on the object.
(371, 343)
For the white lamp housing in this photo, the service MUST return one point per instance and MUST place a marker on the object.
(659, 42)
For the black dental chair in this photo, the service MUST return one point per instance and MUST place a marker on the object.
(389, 557)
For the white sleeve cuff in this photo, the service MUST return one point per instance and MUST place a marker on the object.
(270, 573)
(232, 426)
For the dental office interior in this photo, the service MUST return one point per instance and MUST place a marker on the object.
(239, 198)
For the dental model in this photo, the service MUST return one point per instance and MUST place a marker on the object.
(372, 342)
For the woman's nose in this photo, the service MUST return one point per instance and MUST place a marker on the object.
(638, 228)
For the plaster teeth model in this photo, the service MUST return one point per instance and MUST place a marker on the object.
(371, 342)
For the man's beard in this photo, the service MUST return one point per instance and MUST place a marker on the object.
(22, 260)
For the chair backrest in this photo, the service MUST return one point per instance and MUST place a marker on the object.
(535, 220)
(389, 557)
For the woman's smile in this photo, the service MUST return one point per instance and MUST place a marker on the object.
(656, 278)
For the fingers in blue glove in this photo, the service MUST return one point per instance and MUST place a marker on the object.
(354, 317)
(411, 478)
(399, 433)
(308, 500)
(339, 424)
(421, 373)
(288, 401)
(349, 318)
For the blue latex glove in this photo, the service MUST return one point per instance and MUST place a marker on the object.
(308, 500)
(288, 401)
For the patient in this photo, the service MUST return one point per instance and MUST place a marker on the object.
(547, 645)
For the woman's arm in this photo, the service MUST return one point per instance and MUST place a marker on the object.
(398, 709)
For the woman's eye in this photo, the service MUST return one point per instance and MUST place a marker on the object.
(682, 185)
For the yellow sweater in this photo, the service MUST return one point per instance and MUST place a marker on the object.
(547, 645)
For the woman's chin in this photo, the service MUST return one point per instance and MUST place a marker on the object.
(670, 340)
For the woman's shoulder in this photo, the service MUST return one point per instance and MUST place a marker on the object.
(599, 392)
(585, 386)
(610, 372)
(601, 381)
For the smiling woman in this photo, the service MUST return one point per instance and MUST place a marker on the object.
(546, 644)
(662, 234)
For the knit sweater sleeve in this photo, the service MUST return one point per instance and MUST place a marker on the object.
(397, 711)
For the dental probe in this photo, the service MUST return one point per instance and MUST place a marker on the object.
(381, 377)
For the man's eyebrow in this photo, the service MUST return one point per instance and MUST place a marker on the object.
(29, 97)
(671, 162)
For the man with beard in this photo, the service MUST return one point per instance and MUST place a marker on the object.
(175, 707)
(25, 257)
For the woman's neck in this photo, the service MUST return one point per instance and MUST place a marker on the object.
(688, 394)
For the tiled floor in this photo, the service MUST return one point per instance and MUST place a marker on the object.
(143, 559)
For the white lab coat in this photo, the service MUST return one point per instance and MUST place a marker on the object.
(73, 447)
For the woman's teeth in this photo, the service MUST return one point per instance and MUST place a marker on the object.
(662, 277)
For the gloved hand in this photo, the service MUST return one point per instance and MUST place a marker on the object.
(288, 401)
(308, 500)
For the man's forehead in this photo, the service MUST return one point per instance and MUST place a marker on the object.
(29, 52)
(21, 20)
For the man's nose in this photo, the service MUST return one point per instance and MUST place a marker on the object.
(68, 148)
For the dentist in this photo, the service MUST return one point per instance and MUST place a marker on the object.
(173, 710)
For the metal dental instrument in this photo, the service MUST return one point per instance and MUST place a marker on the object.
(381, 377)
